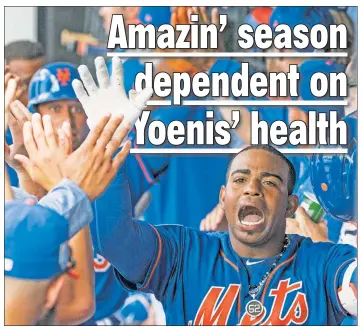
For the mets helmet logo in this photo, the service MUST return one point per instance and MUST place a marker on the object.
(63, 76)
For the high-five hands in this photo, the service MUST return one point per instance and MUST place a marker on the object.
(91, 166)
(110, 95)
(42, 163)
(97, 165)
(18, 116)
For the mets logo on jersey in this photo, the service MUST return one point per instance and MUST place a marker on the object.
(63, 76)
(100, 264)
(215, 308)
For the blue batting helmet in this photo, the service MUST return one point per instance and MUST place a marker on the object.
(334, 177)
(51, 83)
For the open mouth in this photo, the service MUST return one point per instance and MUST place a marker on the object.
(250, 216)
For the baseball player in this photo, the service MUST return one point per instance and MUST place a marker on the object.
(255, 274)
(34, 270)
(167, 279)
(108, 236)
(22, 59)
(154, 168)
(145, 171)
(307, 69)
(215, 220)
(334, 181)
(91, 168)
(51, 93)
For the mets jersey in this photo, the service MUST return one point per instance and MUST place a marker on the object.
(200, 280)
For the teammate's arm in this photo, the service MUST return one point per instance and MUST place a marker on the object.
(143, 171)
(129, 245)
(347, 290)
(77, 302)
(19, 114)
(8, 191)
(341, 279)
(133, 247)
(16, 115)
(10, 86)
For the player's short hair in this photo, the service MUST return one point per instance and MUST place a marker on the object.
(26, 50)
(292, 173)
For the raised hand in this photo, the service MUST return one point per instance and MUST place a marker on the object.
(304, 226)
(44, 155)
(18, 116)
(205, 20)
(10, 85)
(214, 221)
(92, 166)
(110, 95)
(181, 15)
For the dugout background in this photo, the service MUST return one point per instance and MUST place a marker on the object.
(51, 21)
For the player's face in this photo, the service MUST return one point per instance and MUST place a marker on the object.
(25, 69)
(70, 111)
(256, 198)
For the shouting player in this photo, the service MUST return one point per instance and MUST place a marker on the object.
(260, 274)
(256, 273)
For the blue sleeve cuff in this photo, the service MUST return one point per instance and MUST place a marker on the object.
(70, 201)
(20, 194)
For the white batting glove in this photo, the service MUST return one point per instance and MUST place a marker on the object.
(110, 96)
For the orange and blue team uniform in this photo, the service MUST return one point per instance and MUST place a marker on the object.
(201, 277)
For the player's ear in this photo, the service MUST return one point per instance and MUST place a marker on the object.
(222, 194)
(292, 204)
(53, 292)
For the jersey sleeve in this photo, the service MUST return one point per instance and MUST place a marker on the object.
(165, 268)
(144, 170)
(341, 279)
(140, 175)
